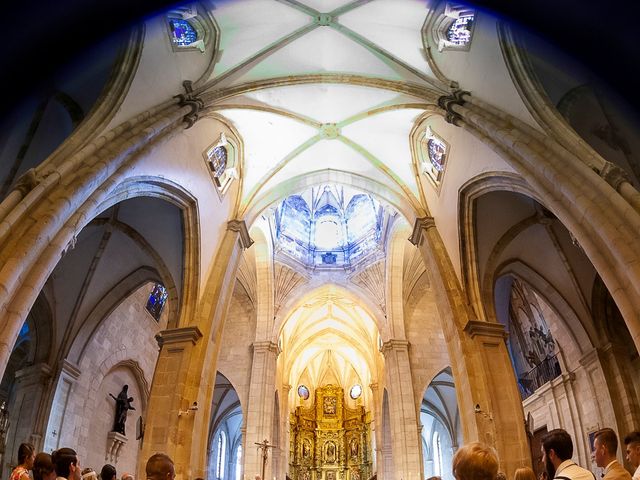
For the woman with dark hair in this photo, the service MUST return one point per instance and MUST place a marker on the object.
(43, 468)
(26, 454)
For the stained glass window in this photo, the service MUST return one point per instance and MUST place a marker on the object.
(437, 150)
(222, 454)
(459, 32)
(434, 151)
(218, 161)
(355, 391)
(182, 32)
(303, 392)
(157, 299)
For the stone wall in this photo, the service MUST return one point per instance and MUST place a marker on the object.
(123, 350)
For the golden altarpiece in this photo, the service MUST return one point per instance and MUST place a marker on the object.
(330, 441)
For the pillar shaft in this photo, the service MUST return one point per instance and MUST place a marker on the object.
(488, 398)
(406, 443)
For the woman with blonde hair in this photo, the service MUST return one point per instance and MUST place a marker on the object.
(475, 461)
(524, 473)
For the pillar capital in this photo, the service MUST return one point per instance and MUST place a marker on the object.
(265, 346)
(240, 227)
(613, 175)
(38, 373)
(446, 102)
(70, 369)
(485, 329)
(179, 335)
(420, 225)
(394, 344)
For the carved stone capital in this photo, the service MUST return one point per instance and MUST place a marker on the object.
(70, 369)
(394, 344)
(446, 102)
(265, 346)
(189, 99)
(421, 224)
(115, 442)
(179, 335)
(33, 374)
(28, 181)
(614, 175)
(241, 227)
(486, 329)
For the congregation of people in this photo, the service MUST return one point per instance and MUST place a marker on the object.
(473, 461)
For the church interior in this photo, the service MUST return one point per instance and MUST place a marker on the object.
(318, 240)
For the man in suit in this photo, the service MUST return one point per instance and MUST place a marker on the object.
(632, 442)
(605, 447)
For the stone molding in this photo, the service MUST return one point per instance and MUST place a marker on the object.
(37, 373)
(265, 346)
(189, 99)
(614, 175)
(446, 102)
(240, 227)
(421, 224)
(394, 345)
(71, 369)
(115, 442)
(485, 329)
(179, 335)
(589, 358)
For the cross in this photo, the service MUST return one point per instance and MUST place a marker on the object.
(264, 446)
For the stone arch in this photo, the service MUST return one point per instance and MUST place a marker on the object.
(469, 192)
(408, 209)
(156, 187)
(573, 329)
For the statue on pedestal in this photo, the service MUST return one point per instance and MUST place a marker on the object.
(123, 405)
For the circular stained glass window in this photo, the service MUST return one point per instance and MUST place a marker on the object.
(355, 391)
(303, 392)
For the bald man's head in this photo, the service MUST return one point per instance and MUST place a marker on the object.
(160, 467)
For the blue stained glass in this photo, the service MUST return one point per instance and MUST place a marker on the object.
(218, 161)
(459, 33)
(182, 32)
(437, 151)
(157, 299)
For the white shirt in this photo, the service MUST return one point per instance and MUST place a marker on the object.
(636, 475)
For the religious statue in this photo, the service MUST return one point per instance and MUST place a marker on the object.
(330, 452)
(353, 447)
(331, 475)
(306, 449)
(123, 405)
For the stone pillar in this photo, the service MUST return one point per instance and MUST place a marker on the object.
(260, 407)
(488, 398)
(402, 408)
(284, 427)
(25, 409)
(165, 430)
(376, 428)
(186, 367)
(61, 426)
(619, 383)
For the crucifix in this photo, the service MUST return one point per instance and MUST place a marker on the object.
(264, 446)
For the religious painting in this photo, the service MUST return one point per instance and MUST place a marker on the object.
(306, 449)
(331, 475)
(329, 404)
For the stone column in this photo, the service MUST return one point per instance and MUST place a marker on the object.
(26, 408)
(488, 398)
(402, 408)
(376, 427)
(284, 427)
(619, 383)
(260, 407)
